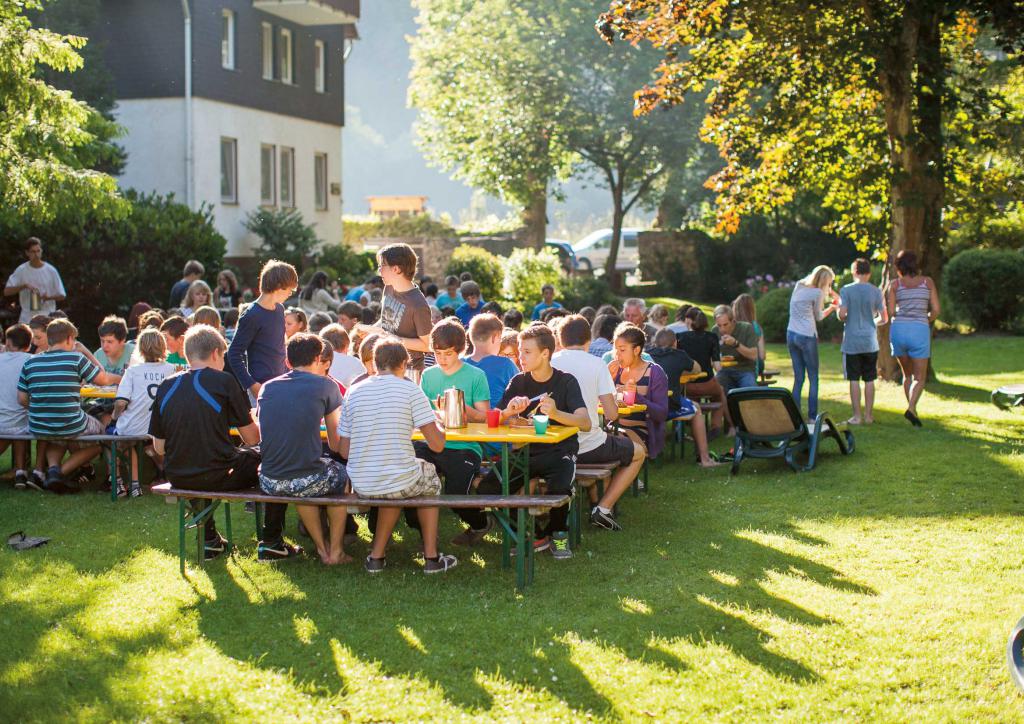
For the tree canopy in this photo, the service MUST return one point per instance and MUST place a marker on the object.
(861, 102)
(46, 141)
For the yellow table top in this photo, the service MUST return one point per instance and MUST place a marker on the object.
(729, 363)
(690, 377)
(625, 409)
(479, 432)
(107, 393)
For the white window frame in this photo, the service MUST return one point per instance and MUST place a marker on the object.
(271, 151)
(232, 170)
(286, 61)
(320, 197)
(267, 50)
(319, 66)
(227, 40)
(287, 166)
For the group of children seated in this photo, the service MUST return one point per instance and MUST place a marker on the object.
(252, 407)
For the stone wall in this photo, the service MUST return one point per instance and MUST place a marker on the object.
(435, 253)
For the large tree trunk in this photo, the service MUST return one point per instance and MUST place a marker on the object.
(913, 119)
(535, 219)
(618, 213)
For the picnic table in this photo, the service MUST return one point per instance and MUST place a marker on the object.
(625, 409)
(96, 392)
(514, 442)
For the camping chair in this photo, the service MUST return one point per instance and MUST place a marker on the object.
(769, 425)
(1008, 397)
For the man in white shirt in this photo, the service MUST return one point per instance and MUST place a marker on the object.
(37, 284)
(596, 445)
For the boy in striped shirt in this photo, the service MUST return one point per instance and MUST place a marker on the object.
(50, 387)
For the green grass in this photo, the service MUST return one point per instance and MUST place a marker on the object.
(878, 587)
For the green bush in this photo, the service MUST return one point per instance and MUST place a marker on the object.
(283, 235)
(527, 270)
(773, 316)
(350, 266)
(418, 225)
(586, 290)
(986, 286)
(109, 264)
(486, 268)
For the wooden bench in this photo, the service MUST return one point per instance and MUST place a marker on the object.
(525, 506)
(111, 442)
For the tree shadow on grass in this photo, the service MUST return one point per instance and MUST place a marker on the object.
(706, 590)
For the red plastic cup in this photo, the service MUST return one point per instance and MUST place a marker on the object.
(628, 397)
(493, 418)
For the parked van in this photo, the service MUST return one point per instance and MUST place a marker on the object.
(592, 251)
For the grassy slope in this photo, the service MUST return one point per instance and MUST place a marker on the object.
(878, 587)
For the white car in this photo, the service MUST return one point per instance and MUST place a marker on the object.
(592, 251)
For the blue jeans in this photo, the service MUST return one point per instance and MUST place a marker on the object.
(803, 350)
(730, 379)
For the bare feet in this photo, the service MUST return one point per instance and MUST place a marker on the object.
(709, 463)
(869, 421)
(340, 559)
(325, 555)
(853, 421)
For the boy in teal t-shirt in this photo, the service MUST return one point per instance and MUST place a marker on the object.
(459, 462)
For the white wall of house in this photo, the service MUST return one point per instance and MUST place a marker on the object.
(155, 146)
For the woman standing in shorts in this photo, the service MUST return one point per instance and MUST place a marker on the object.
(913, 304)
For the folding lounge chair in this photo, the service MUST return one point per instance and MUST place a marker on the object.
(769, 425)
(1008, 397)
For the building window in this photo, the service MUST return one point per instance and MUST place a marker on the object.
(227, 39)
(285, 61)
(320, 180)
(268, 175)
(287, 177)
(268, 51)
(319, 66)
(229, 170)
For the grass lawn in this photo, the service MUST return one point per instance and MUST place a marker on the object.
(878, 587)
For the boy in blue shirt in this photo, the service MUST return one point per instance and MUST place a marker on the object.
(451, 296)
(485, 330)
(471, 307)
(862, 309)
(548, 293)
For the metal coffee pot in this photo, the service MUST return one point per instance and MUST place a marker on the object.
(453, 407)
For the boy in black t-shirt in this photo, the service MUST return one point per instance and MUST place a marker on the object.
(542, 389)
(193, 414)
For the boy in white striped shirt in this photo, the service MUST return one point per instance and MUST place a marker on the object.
(377, 422)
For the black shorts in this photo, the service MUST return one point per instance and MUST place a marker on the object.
(615, 449)
(863, 366)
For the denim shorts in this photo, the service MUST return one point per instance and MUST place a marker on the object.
(911, 339)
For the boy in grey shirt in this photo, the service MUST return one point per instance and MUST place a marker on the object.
(862, 309)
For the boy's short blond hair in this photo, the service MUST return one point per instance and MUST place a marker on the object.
(151, 345)
(336, 335)
(206, 315)
(201, 341)
(389, 354)
(484, 326)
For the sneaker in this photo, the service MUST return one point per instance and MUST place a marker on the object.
(20, 480)
(442, 564)
(560, 549)
(214, 547)
(539, 545)
(250, 507)
(375, 565)
(122, 489)
(85, 475)
(136, 489)
(604, 520)
(56, 484)
(36, 481)
(277, 551)
(472, 536)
